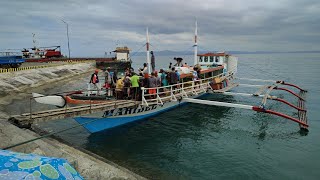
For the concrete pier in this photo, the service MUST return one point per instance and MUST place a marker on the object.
(89, 165)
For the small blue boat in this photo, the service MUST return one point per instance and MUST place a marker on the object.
(11, 61)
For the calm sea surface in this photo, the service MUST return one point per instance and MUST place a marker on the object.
(207, 142)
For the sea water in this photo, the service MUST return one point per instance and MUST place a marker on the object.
(206, 142)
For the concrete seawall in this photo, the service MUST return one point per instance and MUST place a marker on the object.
(12, 84)
(17, 82)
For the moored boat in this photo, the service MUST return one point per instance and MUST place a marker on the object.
(168, 97)
(217, 75)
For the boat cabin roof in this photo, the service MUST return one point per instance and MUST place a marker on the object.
(203, 71)
(124, 49)
(214, 54)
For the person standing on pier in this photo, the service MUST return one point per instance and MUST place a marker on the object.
(144, 70)
(127, 86)
(119, 88)
(153, 62)
(135, 85)
(152, 84)
(156, 75)
(164, 81)
(108, 81)
(95, 81)
(173, 78)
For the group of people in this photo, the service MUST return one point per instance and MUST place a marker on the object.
(121, 88)
(129, 86)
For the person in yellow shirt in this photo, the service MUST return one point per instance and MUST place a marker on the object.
(119, 88)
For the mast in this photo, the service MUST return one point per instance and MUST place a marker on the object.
(195, 45)
(34, 41)
(148, 54)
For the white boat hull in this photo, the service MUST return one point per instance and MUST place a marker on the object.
(55, 100)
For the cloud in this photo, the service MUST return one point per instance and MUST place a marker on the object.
(98, 26)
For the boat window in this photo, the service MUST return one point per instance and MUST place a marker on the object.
(206, 59)
(217, 60)
(200, 58)
(211, 58)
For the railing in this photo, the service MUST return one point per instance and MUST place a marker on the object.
(162, 94)
(179, 90)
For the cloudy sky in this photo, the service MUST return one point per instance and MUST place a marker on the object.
(97, 26)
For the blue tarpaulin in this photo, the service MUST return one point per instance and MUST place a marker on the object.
(14, 166)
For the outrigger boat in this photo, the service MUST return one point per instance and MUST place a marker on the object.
(72, 98)
(217, 76)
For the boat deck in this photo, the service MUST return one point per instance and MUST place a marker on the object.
(164, 94)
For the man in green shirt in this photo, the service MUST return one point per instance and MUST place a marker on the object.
(135, 85)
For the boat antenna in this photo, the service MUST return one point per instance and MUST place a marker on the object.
(148, 54)
(195, 44)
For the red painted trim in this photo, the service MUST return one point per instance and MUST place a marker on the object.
(258, 109)
(286, 102)
(78, 101)
(293, 85)
(288, 90)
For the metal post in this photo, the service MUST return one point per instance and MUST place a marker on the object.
(171, 92)
(195, 45)
(157, 95)
(68, 40)
(67, 37)
(148, 54)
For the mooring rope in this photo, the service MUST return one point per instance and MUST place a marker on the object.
(133, 54)
(183, 56)
(48, 135)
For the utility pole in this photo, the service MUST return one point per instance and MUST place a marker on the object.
(67, 36)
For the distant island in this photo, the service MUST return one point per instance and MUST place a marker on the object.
(175, 53)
